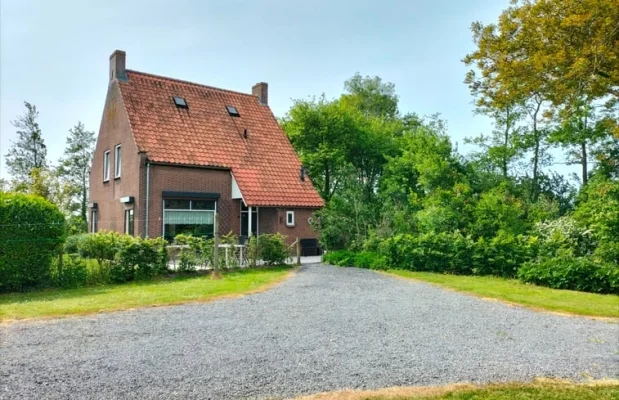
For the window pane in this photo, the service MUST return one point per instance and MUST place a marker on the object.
(117, 161)
(203, 205)
(176, 204)
(106, 165)
(171, 230)
(189, 217)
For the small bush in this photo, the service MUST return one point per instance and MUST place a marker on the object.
(575, 273)
(139, 259)
(71, 273)
(74, 242)
(272, 249)
(342, 258)
(32, 231)
(364, 259)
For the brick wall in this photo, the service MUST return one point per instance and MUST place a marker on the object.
(115, 130)
(302, 228)
(187, 179)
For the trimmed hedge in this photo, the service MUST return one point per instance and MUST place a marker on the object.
(123, 258)
(574, 273)
(32, 231)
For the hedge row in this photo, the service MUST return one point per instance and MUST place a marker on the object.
(505, 255)
(32, 231)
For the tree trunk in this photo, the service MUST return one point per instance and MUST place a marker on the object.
(505, 143)
(536, 150)
(327, 189)
(583, 156)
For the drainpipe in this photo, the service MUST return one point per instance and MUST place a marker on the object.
(147, 197)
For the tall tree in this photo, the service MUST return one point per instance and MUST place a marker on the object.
(371, 96)
(29, 151)
(74, 167)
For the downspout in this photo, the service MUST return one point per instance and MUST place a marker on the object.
(147, 197)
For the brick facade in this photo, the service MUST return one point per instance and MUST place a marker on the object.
(115, 130)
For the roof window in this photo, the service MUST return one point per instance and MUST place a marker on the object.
(233, 111)
(180, 102)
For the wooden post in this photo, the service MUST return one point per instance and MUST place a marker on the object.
(298, 252)
(216, 274)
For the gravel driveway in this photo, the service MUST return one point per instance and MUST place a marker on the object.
(326, 328)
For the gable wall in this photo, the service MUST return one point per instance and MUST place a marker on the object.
(115, 130)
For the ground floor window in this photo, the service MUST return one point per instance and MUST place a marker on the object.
(129, 221)
(188, 217)
(94, 216)
(245, 220)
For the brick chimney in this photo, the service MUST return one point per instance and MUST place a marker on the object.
(117, 65)
(261, 90)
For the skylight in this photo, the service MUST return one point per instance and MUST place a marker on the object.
(180, 102)
(232, 111)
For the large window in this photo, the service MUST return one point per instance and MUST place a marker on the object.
(129, 221)
(189, 217)
(106, 166)
(117, 161)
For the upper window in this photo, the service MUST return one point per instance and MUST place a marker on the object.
(233, 111)
(106, 166)
(289, 218)
(117, 161)
(180, 102)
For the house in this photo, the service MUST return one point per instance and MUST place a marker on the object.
(170, 154)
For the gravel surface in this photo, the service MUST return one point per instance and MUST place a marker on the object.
(324, 329)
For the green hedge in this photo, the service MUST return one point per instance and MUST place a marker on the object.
(124, 258)
(364, 259)
(457, 254)
(575, 273)
(32, 231)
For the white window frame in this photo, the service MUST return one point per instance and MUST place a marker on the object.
(129, 213)
(289, 221)
(94, 217)
(106, 166)
(117, 161)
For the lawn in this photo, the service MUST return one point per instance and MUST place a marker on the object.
(514, 291)
(512, 391)
(164, 291)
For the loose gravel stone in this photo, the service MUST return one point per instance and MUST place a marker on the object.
(326, 328)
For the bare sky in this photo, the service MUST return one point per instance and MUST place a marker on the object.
(54, 54)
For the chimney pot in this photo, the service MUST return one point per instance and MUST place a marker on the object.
(261, 90)
(117, 65)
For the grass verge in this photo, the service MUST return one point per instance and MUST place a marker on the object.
(516, 292)
(164, 291)
(551, 390)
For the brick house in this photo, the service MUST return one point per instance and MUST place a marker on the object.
(171, 153)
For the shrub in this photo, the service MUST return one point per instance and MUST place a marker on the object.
(71, 273)
(342, 258)
(575, 273)
(272, 248)
(32, 231)
(139, 259)
(73, 243)
(503, 254)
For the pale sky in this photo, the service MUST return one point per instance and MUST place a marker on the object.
(55, 54)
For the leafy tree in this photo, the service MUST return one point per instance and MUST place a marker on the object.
(371, 96)
(74, 167)
(321, 132)
(29, 151)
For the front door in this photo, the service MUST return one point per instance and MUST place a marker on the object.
(245, 220)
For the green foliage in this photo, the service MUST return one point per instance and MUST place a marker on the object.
(575, 273)
(29, 152)
(364, 259)
(498, 210)
(71, 273)
(32, 232)
(272, 249)
(73, 243)
(122, 258)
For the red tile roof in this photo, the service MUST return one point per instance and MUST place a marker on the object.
(265, 165)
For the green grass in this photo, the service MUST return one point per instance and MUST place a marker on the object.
(524, 392)
(514, 291)
(547, 390)
(164, 291)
